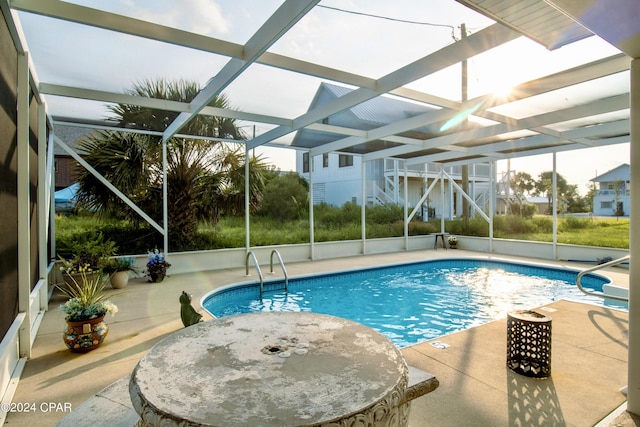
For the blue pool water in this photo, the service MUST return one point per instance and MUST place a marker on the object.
(414, 302)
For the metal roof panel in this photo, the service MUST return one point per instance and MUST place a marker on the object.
(534, 19)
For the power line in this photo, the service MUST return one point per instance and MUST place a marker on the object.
(405, 21)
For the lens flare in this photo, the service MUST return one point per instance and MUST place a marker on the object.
(461, 116)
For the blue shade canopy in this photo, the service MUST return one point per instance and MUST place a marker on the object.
(66, 195)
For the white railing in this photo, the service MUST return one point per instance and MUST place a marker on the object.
(598, 267)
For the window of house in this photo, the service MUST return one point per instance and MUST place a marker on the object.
(606, 205)
(345, 160)
(305, 162)
(325, 160)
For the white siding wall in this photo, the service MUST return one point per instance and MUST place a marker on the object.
(337, 185)
(334, 184)
(605, 205)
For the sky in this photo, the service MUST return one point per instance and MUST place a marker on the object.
(72, 54)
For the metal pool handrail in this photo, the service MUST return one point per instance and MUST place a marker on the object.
(284, 270)
(598, 267)
(255, 262)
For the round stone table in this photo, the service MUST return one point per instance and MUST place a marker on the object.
(274, 369)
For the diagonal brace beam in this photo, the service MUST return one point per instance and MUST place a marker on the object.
(109, 185)
(287, 15)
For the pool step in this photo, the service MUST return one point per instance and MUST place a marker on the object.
(615, 290)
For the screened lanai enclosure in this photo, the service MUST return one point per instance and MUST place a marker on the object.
(571, 68)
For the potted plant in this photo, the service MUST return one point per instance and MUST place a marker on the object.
(88, 257)
(118, 270)
(74, 268)
(453, 242)
(157, 266)
(85, 308)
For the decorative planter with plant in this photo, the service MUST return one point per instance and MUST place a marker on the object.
(74, 268)
(85, 309)
(88, 257)
(157, 266)
(118, 270)
(453, 242)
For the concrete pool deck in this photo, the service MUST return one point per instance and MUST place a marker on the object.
(589, 357)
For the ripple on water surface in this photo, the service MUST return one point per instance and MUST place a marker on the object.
(415, 302)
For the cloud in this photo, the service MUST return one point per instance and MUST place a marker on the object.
(205, 16)
(197, 16)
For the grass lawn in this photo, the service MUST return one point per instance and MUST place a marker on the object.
(230, 232)
(603, 232)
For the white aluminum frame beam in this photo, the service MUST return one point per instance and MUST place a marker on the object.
(115, 22)
(564, 142)
(23, 153)
(481, 41)
(159, 104)
(109, 185)
(287, 15)
(594, 70)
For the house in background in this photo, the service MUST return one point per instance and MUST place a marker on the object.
(337, 176)
(545, 206)
(65, 165)
(613, 192)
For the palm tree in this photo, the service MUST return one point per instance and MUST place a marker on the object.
(202, 175)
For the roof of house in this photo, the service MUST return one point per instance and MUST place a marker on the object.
(371, 114)
(377, 111)
(620, 173)
(537, 199)
(70, 135)
(541, 200)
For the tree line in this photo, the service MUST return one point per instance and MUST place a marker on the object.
(523, 185)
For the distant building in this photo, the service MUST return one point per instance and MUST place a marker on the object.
(65, 165)
(612, 192)
(337, 176)
(545, 205)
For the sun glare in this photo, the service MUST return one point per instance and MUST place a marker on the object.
(502, 90)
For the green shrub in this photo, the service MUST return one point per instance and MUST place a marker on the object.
(132, 238)
(453, 227)
(543, 224)
(518, 225)
(525, 210)
(421, 228)
(352, 213)
(571, 223)
(384, 214)
(476, 226)
(285, 198)
(333, 224)
(328, 216)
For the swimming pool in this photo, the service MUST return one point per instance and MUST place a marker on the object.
(417, 301)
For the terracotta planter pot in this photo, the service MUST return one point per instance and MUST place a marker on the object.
(85, 335)
(119, 279)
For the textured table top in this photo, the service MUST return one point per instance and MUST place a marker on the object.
(271, 368)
